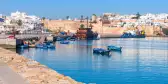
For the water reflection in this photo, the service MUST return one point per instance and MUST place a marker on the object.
(141, 61)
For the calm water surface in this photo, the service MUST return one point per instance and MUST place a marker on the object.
(142, 61)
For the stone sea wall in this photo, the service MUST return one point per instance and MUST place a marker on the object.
(109, 30)
(32, 71)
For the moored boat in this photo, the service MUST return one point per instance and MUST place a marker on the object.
(23, 46)
(101, 51)
(133, 34)
(86, 33)
(39, 46)
(128, 35)
(59, 39)
(64, 42)
(114, 48)
(32, 46)
(51, 46)
(45, 46)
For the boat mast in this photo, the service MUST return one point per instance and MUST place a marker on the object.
(87, 21)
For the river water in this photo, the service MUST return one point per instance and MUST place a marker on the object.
(142, 61)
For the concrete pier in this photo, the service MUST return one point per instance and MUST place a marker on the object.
(8, 43)
(8, 76)
(31, 71)
(13, 42)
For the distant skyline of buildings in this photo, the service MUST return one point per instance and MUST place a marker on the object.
(22, 22)
(60, 8)
(79, 16)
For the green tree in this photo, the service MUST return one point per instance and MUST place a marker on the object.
(82, 26)
(94, 18)
(43, 18)
(94, 15)
(81, 19)
(138, 15)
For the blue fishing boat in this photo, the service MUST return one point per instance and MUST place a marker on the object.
(51, 46)
(71, 38)
(48, 42)
(60, 39)
(39, 46)
(64, 42)
(101, 51)
(45, 46)
(130, 35)
(114, 48)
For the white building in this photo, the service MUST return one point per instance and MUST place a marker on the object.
(150, 16)
(28, 22)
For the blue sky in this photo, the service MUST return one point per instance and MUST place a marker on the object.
(76, 8)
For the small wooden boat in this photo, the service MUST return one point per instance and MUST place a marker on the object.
(64, 42)
(101, 51)
(115, 48)
(32, 46)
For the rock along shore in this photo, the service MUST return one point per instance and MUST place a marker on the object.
(32, 71)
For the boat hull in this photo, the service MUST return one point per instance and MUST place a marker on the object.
(23, 46)
(101, 51)
(131, 36)
(64, 42)
(114, 48)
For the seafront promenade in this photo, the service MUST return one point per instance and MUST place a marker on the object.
(8, 76)
(28, 71)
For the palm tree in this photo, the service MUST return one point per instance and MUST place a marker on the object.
(138, 15)
(81, 19)
(87, 19)
(67, 17)
(101, 18)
